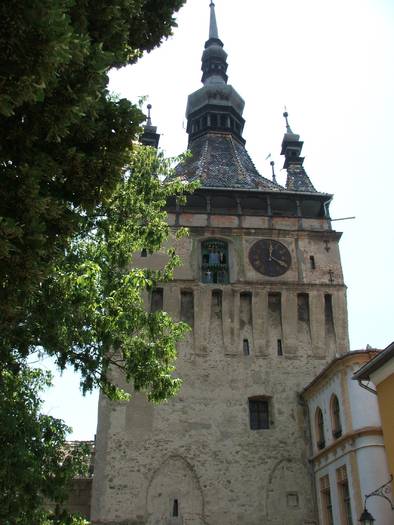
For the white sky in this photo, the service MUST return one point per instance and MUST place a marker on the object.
(331, 64)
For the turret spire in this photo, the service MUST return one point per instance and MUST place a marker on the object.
(150, 137)
(214, 58)
(297, 179)
(286, 115)
(213, 27)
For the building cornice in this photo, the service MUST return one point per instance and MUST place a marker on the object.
(339, 362)
(354, 434)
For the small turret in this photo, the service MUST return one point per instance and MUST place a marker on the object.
(150, 137)
(297, 179)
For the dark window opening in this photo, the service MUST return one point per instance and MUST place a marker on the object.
(187, 307)
(246, 347)
(313, 262)
(259, 413)
(328, 313)
(156, 302)
(214, 120)
(215, 267)
(303, 307)
(279, 346)
(336, 418)
(320, 429)
(175, 508)
(223, 121)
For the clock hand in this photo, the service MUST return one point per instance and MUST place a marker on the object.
(270, 250)
(279, 262)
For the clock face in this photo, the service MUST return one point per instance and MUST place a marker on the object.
(270, 257)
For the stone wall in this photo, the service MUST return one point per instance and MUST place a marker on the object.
(195, 459)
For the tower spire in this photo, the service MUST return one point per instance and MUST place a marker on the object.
(213, 27)
(214, 57)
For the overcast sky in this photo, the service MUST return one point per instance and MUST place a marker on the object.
(331, 64)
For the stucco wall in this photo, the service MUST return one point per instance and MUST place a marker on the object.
(386, 405)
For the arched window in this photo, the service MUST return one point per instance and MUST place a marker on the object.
(214, 262)
(319, 423)
(336, 417)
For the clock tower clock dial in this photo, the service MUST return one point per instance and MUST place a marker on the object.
(270, 257)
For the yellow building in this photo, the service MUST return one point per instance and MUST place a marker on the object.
(380, 372)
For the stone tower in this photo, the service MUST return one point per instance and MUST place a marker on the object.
(261, 286)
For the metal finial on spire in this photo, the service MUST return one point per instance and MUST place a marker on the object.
(149, 120)
(213, 27)
(272, 163)
(286, 115)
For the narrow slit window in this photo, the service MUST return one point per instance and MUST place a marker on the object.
(313, 262)
(319, 421)
(246, 347)
(175, 508)
(280, 348)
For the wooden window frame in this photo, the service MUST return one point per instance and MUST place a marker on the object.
(326, 501)
(345, 505)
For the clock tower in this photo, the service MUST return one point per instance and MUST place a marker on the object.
(261, 286)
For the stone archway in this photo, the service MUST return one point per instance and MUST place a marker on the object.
(174, 495)
(289, 494)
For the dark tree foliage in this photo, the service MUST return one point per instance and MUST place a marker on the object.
(36, 463)
(63, 142)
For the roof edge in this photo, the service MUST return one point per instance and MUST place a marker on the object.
(371, 353)
(376, 362)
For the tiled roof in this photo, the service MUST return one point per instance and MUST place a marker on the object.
(298, 180)
(220, 161)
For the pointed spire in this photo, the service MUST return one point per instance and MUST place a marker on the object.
(286, 115)
(149, 120)
(214, 58)
(213, 27)
(150, 137)
(297, 178)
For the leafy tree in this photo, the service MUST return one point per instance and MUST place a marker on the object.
(36, 465)
(63, 145)
(90, 311)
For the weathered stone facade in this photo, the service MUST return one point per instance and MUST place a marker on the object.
(198, 448)
(201, 458)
